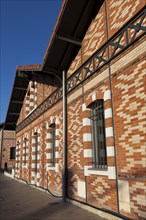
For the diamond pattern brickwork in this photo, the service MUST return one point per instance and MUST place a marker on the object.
(119, 12)
(75, 148)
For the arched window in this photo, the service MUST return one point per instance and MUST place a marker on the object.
(98, 134)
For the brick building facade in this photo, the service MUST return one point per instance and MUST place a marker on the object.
(102, 49)
(7, 147)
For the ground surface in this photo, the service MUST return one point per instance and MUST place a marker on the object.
(19, 201)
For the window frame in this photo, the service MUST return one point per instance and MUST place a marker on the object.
(36, 150)
(12, 153)
(99, 157)
(25, 146)
(53, 143)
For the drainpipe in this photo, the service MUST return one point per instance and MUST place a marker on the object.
(64, 162)
(112, 105)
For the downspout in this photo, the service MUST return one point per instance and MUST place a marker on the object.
(64, 157)
(112, 105)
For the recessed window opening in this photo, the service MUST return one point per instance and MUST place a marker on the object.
(12, 153)
(53, 137)
(36, 150)
(25, 146)
(98, 134)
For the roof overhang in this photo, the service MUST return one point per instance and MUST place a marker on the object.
(71, 26)
(21, 81)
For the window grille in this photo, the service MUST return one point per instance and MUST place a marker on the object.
(25, 146)
(53, 134)
(36, 150)
(98, 135)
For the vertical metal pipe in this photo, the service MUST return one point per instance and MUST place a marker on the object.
(112, 105)
(64, 163)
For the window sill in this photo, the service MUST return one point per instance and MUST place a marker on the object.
(55, 167)
(110, 171)
(24, 166)
(98, 169)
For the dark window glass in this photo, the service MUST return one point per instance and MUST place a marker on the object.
(98, 134)
(25, 146)
(12, 153)
(53, 134)
(36, 150)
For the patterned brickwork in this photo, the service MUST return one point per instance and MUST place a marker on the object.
(49, 86)
(126, 92)
(36, 151)
(130, 56)
(75, 64)
(17, 164)
(54, 174)
(119, 12)
(99, 93)
(45, 86)
(31, 97)
(96, 34)
(25, 157)
(41, 93)
(72, 184)
(129, 97)
(75, 150)
(138, 199)
(73, 188)
(101, 192)
(129, 111)
(26, 101)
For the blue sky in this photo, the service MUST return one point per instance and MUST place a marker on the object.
(25, 30)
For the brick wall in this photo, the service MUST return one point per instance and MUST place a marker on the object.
(120, 84)
(8, 141)
(38, 90)
(129, 114)
(46, 176)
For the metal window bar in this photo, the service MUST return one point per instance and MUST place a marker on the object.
(25, 146)
(53, 134)
(98, 130)
(36, 151)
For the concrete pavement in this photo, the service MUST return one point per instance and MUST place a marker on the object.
(19, 201)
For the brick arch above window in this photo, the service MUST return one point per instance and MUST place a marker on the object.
(35, 130)
(93, 97)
